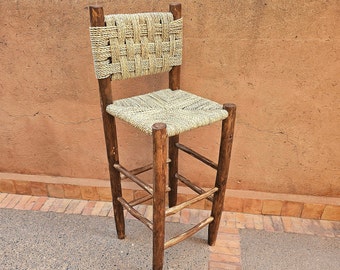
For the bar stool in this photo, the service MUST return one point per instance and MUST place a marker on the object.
(131, 45)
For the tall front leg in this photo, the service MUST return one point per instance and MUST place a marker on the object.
(173, 170)
(227, 134)
(159, 183)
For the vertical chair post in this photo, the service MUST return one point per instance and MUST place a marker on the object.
(227, 134)
(174, 84)
(97, 19)
(159, 181)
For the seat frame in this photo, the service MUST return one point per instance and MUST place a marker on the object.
(160, 156)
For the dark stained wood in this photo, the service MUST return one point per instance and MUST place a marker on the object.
(134, 178)
(173, 210)
(227, 135)
(138, 170)
(197, 155)
(97, 19)
(191, 185)
(135, 213)
(159, 183)
(140, 200)
(174, 74)
(173, 169)
(187, 234)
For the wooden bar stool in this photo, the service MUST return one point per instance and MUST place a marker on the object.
(130, 45)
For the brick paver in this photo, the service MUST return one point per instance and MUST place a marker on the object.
(226, 254)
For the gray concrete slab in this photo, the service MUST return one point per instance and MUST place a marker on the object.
(38, 240)
(280, 251)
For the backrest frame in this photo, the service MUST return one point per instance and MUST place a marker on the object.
(139, 44)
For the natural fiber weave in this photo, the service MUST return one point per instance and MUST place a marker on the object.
(179, 110)
(132, 45)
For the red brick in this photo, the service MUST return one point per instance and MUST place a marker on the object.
(185, 216)
(14, 201)
(258, 222)
(72, 191)
(48, 204)
(89, 193)
(39, 189)
(216, 257)
(292, 209)
(252, 206)
(40, 202)
(22, 203)
(223, 266)
(7, 186)
(23, 187)
(104, 194)
(287, 224)
(277, 223)
(8, 198)
(31, 202)
(2, 196)
(75, 207)
(233, 204)
(312, 210)
(272, 207)
(97, 208)
(128, 194)
(88, 208)
(268, 224)
(106, 209)
(55, 190)
(240, 220)
(331, 212)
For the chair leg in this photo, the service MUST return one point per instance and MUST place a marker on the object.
(159, 181)
(173, 169)
(222, 171)
(113, 158)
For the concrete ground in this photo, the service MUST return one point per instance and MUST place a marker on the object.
(233, 250)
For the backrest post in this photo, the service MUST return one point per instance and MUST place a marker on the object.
(97, 19)
(175, 72)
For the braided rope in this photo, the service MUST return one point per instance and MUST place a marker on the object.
(132, 45)
(179, 110)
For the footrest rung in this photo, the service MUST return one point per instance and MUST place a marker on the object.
(191, 185)
(177, 208)
(134, 178)
(187, 234)
(140, 200)
(197, 155)
(138, 171)
(135, 213)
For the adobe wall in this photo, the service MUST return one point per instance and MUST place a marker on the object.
(277, 60)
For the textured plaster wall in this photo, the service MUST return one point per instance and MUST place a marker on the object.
(277, 60)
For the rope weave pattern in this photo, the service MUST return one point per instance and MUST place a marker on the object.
(132, 45)
(179, 110)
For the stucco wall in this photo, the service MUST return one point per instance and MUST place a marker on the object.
(277, 60)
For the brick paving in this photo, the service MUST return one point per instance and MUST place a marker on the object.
(226, 254)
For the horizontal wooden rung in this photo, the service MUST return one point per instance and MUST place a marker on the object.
(135, 213)
(134, 178)
(187, 234)
(140, 200)
(191, 185)
(138, 170)
(177, 208)
(197, 155)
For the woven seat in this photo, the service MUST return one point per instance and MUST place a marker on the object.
(125, 46)
(179, 110)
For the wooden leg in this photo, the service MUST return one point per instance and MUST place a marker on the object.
(222, 171)
(173, 169)
(159, 181)
(113, 158)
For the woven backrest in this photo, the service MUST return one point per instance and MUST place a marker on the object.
(132, 45)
